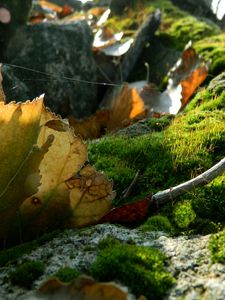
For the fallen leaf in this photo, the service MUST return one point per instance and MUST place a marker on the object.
(69, 195)
(51, 6)
(90, 196)
(92, 127)
(126, 108)
(128, 213)
(83, 288)
(66, 11)
(105, 37)
(118, 48)
(20, 157)
(184, 78)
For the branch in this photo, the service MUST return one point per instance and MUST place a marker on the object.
(163, 197)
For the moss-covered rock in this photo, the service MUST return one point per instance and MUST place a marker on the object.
(186, 29)
(140, 268)
(216, 247)
(192, 142)
(25, 274)
(213, 49)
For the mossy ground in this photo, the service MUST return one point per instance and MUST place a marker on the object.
(140, 268)
(193, 142)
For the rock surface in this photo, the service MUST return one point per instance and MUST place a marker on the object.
(64, 51)
(188, 260)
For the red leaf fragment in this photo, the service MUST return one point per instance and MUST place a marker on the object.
(66, 11)
(128, 213)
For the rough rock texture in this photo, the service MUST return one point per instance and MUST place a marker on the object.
(13, 14)
(14, 88)
(64, 51)
(188, 260)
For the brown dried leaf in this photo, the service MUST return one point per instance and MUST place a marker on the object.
(92, 127)
(83, 288)
(184, 78)
(126, 108)
(90, 196)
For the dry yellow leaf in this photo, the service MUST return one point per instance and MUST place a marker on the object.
(90, 196)
(20, 158)
(63, 196)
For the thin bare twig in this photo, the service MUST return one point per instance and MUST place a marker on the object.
(127, 191)
(165, 196)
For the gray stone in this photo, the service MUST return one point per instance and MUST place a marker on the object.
(61, 59)
(188, 260)
(13, 87)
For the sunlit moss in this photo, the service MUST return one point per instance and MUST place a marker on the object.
(186, 29)
(216, 247)
(183, 215)
(140, 268)
(158, 223)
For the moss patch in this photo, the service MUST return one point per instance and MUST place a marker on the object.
(27, 273)
(186, 29)
(140, 268)
(213, 49)
(158, 223)
(216, 247)
(67, 274)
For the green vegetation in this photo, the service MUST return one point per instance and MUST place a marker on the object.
(187, 29)
(183, 214)
(27, 273)
(140, 268)
(158, 223)
(67, 274)
(108, 242)
(216, 247)
(171, 152)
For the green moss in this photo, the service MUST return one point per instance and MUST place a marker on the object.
(209, 201)
(183, 214)
(213, 49)
(67, 274)
(108, 242)
(141, 269)
(159, 124)
(27, 273)
(216, 247)
(186, 29)
(158, 223)
(191, 144)
(205, 226)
